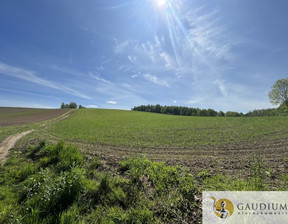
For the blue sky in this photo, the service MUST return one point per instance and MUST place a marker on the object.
(220, 54)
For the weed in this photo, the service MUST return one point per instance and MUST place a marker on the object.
(203, 175)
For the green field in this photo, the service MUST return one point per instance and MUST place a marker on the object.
(217, 144)
(140, 129)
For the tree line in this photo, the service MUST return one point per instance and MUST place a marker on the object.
(185, 111)
(278, 96)
(282, 110)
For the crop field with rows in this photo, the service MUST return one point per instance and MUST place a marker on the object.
(220, 143)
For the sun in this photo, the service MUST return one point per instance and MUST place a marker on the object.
(161, 3)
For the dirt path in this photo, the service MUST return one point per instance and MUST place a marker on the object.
(20, 116)
(9, 142)
(64, 116)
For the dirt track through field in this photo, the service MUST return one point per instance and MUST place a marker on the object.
(9, 142)
(20, 116)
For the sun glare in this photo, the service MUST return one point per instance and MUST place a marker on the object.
(161, 3)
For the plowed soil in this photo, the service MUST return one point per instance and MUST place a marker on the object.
(17, 116)
(231, 159)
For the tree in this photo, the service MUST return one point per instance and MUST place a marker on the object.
(73, 105)
(62, 105)
(279, 92)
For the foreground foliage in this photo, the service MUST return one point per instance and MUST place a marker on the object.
(58, 184)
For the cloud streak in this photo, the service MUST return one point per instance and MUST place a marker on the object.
(98, 78)
(221, 86)
(30, 76)
(155, 80)
(120, 47)
(92, 106)
(147, 55)
(207, 34)
(111, 102)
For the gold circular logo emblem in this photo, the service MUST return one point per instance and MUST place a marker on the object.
(223, 207)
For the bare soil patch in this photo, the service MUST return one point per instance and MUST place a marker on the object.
(17, 116)
(9, 143)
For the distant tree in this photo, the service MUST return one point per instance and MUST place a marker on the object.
(221, 114)
(158, 108)
(63, 106)
(164, 110)
(80, 106)
(283, 108)
(204, 112)
(189, 112)
(279, 92)
(212, 112)
(232, 114)
(182, 111)
(73, 105)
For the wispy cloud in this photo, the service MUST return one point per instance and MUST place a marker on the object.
(147, 55)
(24, 92)
(111, 102)
(20, 103)
(155, 80)
(92, 106)
(132, 59)
(195, 101)
(169, 62)
(208, 35)
(67, 70)
(31, 76)
(97, 77)
(221, 86)
(120, 47)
